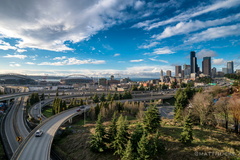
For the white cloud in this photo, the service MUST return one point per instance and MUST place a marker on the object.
(73, 61)
(116, 55)
(206, 53)
(136, 71)
(213, 33)
(144, 23)
(219, 61)
(34, 57)
(21, 50)
(60, 58)
(158, 60)
(5, 45)
(138, 5)
(15, 56)
(187, 27)
(164, 50)
(146, 46)
(137, 60)
(14, 64)
(223, 4)
(107, 46)
(30, 63)
(47, 25)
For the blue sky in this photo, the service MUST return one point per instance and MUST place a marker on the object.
(127, 38)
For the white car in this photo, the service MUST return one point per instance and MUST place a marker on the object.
(38, 133)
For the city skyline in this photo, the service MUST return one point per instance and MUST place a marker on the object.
(131, 38)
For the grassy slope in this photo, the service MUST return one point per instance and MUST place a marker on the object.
(75, 146)
(47, 112)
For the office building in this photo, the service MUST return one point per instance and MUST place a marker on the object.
(214, 72)
(193, 62)
(187, 71)
(206, 66)
(169, 73)
(178, 71)
(230, 67)
(225, 70)
(161, 75)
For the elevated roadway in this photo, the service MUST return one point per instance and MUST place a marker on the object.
(38, 148)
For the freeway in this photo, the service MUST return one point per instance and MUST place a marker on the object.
(38, 148)
(23, 132)
(9, 128)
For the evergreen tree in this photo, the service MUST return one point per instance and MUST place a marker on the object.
(187, 135)
(120, 96)
(112, 128)
(136, 136)
(121, 137)
(128, 153)
(115, 96)
(102, 98)
(109, 97)
(95, 98)
(98, 140)
(151, 119)
(42, 97)
(97, 110)
(143, 148)
(81, 102)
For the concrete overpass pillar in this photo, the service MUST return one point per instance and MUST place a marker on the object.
(70, 120)
(8, 102)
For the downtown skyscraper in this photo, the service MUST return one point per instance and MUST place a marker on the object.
(193, 62)
(230, 67)
(206, 66)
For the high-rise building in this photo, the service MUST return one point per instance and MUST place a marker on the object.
(206, 66)
(187, 71)
(230, 67)
(193, 62)
(178, 71)
(169, 73)
(224, 70)
(161, 75)
(214, 72)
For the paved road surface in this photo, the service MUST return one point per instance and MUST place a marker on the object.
(20, 119)
(9, 128)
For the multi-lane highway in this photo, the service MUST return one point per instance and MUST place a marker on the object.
(9, 128)
(29, 147)
(38, 148)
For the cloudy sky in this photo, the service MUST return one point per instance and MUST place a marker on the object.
(134, 38)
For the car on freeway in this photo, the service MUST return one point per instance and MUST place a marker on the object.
(38, 133)
(82, 107)
(78, 110)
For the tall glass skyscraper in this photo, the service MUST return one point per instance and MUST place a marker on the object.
(193, 62)
(230, 67)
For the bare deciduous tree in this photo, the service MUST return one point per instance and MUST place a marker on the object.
(222, 107)
(202, 107)
(234, 108)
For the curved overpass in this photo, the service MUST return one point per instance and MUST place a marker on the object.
(38, 148)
